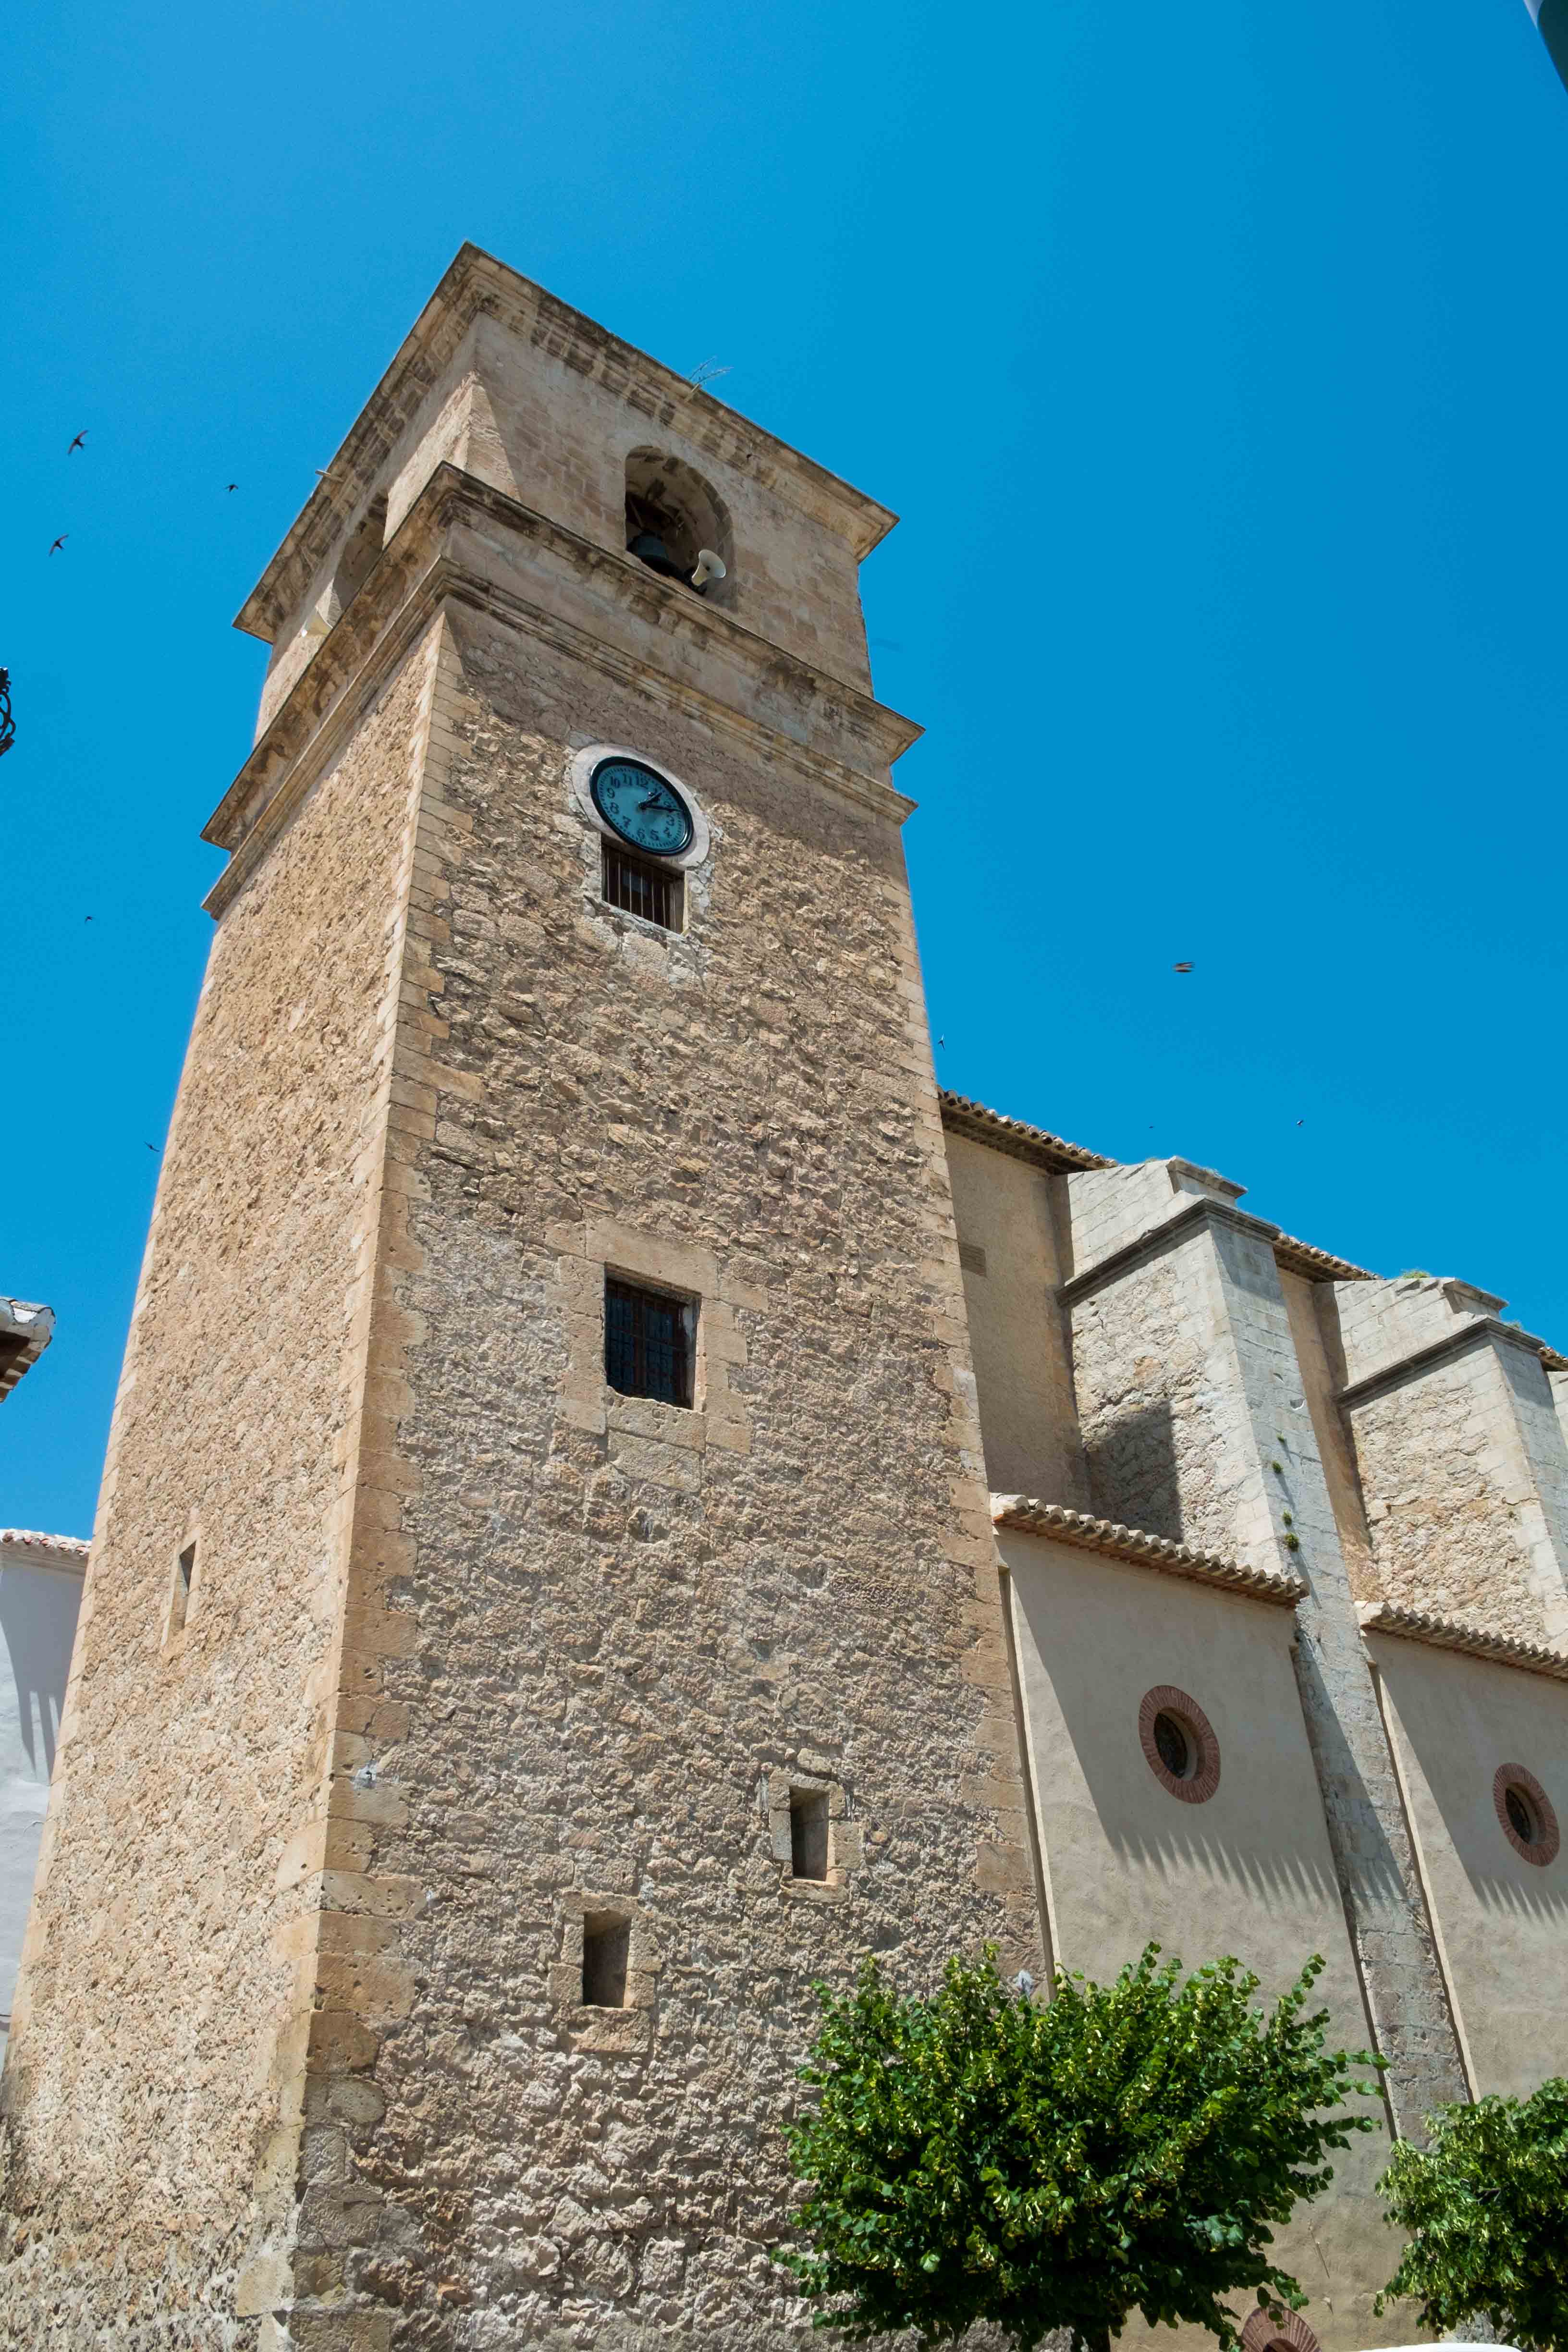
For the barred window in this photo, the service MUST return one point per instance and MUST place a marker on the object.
(650, 1342)
(639, 888)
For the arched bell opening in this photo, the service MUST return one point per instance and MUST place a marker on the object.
(678, 525)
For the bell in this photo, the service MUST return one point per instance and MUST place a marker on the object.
(648, 546)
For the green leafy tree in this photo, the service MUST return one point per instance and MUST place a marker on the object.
(1052, 2165)
(1485, 2209)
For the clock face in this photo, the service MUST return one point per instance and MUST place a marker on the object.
(643, 808)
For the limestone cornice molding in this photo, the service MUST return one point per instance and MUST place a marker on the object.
(419, 570)
(1483, 1330)
(476, 285)
(1451, 1634)
(25, 1330)
(1291, 1255)
(1015, 1136)
(1143, 1551)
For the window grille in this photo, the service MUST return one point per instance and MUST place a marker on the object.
(639, 888)
(648, 1343)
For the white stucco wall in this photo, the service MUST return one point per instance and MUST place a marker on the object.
(1501, 1921)
(40, 1593)
(1249, 1871)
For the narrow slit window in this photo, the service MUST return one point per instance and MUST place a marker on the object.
(184, 1576)
(606, 1943)
(809, 1833)
(650, 1342)
(637, 887)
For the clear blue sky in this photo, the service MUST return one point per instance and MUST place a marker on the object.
(1215, 357)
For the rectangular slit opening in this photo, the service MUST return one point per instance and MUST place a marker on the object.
(809, 1833)
(184, 1576)
(637, 887)
(606, 1942)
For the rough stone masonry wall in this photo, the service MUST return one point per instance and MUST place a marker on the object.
(1443, 1474)
(626, 1629)
(161, 1999)
(1157, 1396)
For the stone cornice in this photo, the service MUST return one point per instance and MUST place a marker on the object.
(477, 285)
(1449, 1633)
(417, 571)
(1016, 1136)
(1296, 1257)
(1053, 1519)
(1483, 1330)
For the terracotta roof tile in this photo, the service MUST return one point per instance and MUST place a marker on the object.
(1451, 1634)
(1145, 1551)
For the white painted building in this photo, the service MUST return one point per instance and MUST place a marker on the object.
(40, 1593)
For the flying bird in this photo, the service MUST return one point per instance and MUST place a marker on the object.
(76, 445)
(59, 543)
(234, 486)
(1180, 967)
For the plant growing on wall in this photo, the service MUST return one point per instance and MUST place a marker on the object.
(1055, 2164)
(1484, 2210)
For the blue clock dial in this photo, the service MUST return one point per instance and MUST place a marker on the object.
(642, 807)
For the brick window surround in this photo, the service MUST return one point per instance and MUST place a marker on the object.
(1200, 1783)
(1543, 1848)
(1291, 2333)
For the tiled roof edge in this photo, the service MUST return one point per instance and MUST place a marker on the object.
(70, 1546)
(1015, 1135)
(1450, 1633)
(1319, 1265)
(1143, 1549)
(34, 1326)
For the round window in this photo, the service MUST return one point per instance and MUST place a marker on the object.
(1263, 2332)
(1175, 1747)
(1525, 1814)
(1179, 1744)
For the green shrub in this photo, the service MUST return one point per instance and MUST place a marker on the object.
(1056, 2164)
(1485, 2207)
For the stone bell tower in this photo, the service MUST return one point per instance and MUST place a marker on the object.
(541, 1609)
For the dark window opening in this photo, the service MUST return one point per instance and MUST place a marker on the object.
(1521, 1817)
(660, 538)
(606, 1941)
(639, 888)
(673, 520)
(809, 1833)
(1174, 1746)
(185, 1575)
(650, 1342)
